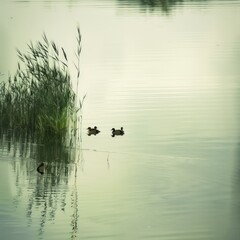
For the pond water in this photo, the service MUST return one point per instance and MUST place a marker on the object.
(166, 71)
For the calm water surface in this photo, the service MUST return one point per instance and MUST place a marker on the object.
(168, 72)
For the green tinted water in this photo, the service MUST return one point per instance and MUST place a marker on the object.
(170, 77)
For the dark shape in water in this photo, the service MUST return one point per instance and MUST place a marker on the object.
(41, 168)
(117, 132)
(164, 5)
(93, 131)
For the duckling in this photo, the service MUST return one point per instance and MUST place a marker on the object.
(41, 168)
(118, 132)
(93, 131)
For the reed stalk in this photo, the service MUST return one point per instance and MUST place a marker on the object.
(39, 98)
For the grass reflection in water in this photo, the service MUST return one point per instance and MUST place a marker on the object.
(46, 196)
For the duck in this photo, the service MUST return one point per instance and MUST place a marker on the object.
(117, 132)
(41, 168)
(93, 131)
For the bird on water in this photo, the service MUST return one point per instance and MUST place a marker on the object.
(93, 131)
(118, 132)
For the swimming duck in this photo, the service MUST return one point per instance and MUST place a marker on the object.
(117, 132)
(93, 131)
(41, 168)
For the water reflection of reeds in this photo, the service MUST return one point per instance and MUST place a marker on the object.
(45, 196)
(153, 5)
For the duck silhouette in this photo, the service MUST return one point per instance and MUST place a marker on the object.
(41, 168)
(117, 132)
(93, 131)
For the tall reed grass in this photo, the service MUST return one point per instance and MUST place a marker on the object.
(39, 99)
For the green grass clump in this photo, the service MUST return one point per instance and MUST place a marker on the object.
(39, 98)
